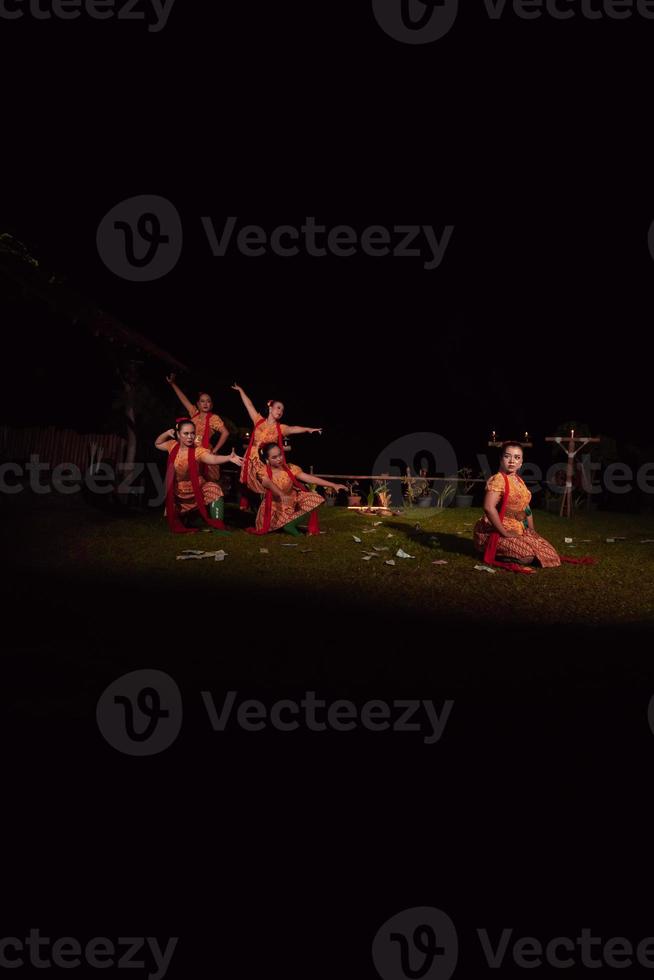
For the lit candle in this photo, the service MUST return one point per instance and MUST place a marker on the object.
(526, 437)
(572, 433)
(493, 436)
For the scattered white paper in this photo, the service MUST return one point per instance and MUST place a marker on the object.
(357, 540)
(220, 555)
(290, 544)
(647, 541)
(367, 557)
(390, 562)
(400, 553)
(263, 551)
(568, 540)
(485, 568)
(378, 547)
(390, 535)
(441, 561)
(377, 523)
(193, 551)
(199, 555)
(610, 540)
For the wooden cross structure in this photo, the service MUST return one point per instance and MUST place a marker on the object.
(571, 452)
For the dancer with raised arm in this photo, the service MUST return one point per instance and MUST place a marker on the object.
(186, 488)
(285, 500)
(206, 422)
(268, 429)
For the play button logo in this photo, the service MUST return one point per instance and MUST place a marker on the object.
(416, 944)
(415, 21)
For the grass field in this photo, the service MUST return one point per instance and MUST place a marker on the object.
(66, 540)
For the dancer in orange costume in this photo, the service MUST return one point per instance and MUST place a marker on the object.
(509, 533)
(206, 422)
(268, 429)
(285, 499)
(186, 488)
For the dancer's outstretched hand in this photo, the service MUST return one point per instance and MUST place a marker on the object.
(236, 387)
(235, 458)
(339, 486)
(319, 431)
(170, 378)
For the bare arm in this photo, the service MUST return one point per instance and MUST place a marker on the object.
(251, 410)
(310, 478)
(298, 430)
(224, 436)
(215, 460)
(491, 501)
(164, 437)
(191, 409)
(269, 485)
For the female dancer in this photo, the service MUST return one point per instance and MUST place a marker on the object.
(264, 430)
(206, 424)
(186, 488)
(285, 499)
(510, 532)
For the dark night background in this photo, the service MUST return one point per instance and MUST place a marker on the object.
(532, 139)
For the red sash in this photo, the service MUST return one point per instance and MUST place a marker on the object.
(267, 501)
(172, 516)
(494, 537)
(248, 453)
(206, 435)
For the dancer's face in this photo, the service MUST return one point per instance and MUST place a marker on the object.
(205, 403)
(187, 434)
(511, 459)
(275, 457)
(277, 410)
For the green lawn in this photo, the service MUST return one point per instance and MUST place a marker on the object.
(66, 538)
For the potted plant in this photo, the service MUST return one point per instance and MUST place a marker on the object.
(445, 496)
(353, 498)
(463, 496)
(330, 496)
(383, 494)
(417, 492)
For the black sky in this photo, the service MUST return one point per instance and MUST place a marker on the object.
(528, 137)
